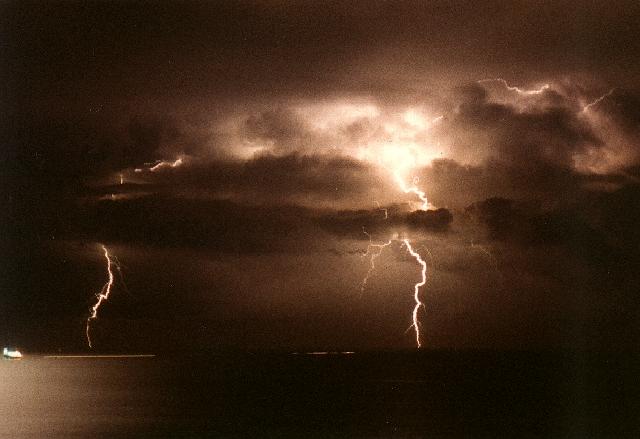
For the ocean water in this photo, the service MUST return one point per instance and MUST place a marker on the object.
(397, 394)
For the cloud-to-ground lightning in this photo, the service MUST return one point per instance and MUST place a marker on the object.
(105, 292)
(416, 289)
(405, 241)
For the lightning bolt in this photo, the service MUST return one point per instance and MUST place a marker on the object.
(374, 256)
(598, 100)
(106, 289)
(412, 189)
(380, 247)
(161, 164)
(416, 289)
(517, 89)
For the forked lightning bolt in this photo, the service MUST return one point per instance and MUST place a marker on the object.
(416, 288)
(106, 290)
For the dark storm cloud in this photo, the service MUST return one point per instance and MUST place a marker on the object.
(454, 185)
(437, 219)
(599, 231)
(531, 152)
(529, 224)
(101, 50)
(551, 134)
(264, 179)
(83, 147)
(580, 258)
(623, 107)
(228, 227)
(110, 68)
(382, 223)
(212, 225)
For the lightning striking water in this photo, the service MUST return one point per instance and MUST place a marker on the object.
(416, 289)
(104, 293)
(380, 247)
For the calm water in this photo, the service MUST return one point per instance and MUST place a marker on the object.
(361, 395)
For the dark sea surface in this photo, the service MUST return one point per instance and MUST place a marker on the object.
(397, 394)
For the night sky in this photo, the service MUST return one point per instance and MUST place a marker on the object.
(237, 158)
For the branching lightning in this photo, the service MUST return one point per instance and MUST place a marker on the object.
(416, 288)
(374, 256)
(375, 250)
(112, 262)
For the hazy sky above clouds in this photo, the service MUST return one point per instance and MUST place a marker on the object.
(233, 155)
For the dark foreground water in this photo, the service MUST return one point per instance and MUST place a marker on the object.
(432, 394)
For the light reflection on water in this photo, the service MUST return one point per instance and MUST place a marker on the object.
(61, 398)
(329, 394)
